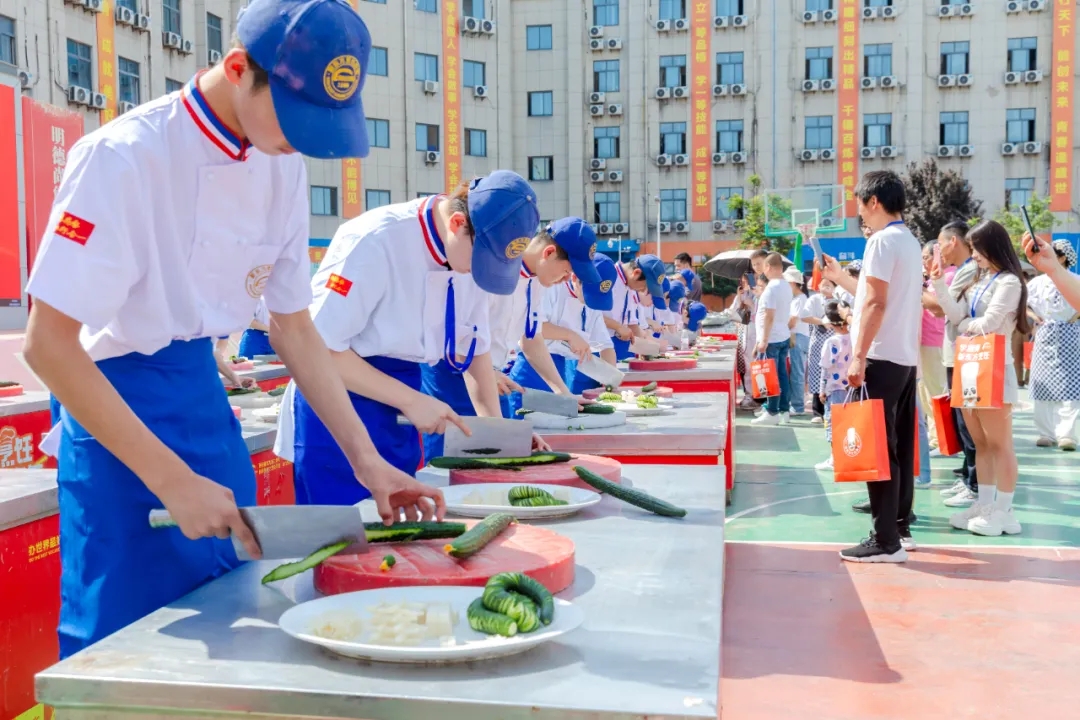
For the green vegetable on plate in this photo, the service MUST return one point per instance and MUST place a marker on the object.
(490, 623)
(521, 584)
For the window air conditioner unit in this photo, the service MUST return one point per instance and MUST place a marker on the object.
(719, 158)
(614, 176)
(868, 152)
(614, 109)
(597, 164)
(596, 110)
(432, 156)
(738, 158)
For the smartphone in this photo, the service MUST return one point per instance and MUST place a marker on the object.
(937, 257)
(1027, 224)
(814, 243)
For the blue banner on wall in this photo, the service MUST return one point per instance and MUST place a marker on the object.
(844, 249)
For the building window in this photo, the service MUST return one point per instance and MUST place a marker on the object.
(541, 167)
(819, 132)
(129, 4)
(377, 2)
(729, 68)
(128, 71)
(476, 142)
(426, 66)
(672, 10)
(877, 3)
(538, 37)
(1020, 125)
(428, 6)
(818, 5)
(672, 71)
(819, 63)
(427, 137)
(1022, 53)
(728, 8)
(954, 58)
(424, 195)
(877, 60)
(729, 136)
(1018, 191)
(79, 73)
(877, 130)
(7, 41)
(673, 138)
(377, 62)
(673, 205)
(473, 8)
(172, 86)
(213, 33)
(723, 203)
(323, 200)
(376, 199)
(606, 142)
(606, 207)
(170, 17)
(473, 73)
(605, 75)
(954, 128)
(540, 104)
(604, 12)
(378, 132)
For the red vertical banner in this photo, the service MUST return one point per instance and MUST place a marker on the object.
(106, 28)
(451, 95)
(10, 264)
(1061, 106)
(351, 203)
(847, 168)
(701, 31)
(48, 134)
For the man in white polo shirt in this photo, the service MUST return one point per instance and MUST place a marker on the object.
(774, 336)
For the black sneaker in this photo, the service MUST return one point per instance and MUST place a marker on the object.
(959, 472)
(862, 506)
(869, 551)
(906, 541)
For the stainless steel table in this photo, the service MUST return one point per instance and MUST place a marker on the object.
(26, 494)
(651, 588)
(29, 402)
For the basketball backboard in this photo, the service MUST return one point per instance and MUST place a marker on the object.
(821, 207)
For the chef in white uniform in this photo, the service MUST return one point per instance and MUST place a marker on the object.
(624, 321)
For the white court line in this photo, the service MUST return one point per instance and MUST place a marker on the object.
(1067, 548)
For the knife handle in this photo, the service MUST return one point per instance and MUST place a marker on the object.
(161, 519)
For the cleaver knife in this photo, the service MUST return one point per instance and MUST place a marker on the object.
(641, 346)
(491, 438)
(548, 402)
(287, 532)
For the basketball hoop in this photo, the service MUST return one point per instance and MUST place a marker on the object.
(806, 230)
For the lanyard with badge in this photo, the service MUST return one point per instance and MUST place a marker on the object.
(574, 295)
(978, 295)
(626, 295)
(438, 252)
(530, 327)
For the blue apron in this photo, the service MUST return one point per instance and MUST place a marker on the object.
(255, 342)
(115, 569)
(444, 383)
(321, 472)
(523, 374)
(622, 348)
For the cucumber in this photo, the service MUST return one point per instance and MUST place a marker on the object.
(491, 623)
(596, 409)
(295, 568)
(537, 458)
(520, 492)
(519, 608)
(629, 495)
(649, 388)
(542, 501)
(482, 451)
(405, 531)
(7, 383)
(241, 391)
(278, 391)
(523, 412)
(522, 584)
(480, 535)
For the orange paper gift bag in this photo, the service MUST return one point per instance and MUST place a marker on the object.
(763, 378)
(860, 445)
(979, 372)
(945, 424)
(1029, 347)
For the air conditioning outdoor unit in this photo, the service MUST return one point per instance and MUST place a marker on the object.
(966, 150)
(614, 109)
(868, 152)
(124, 107)
(948, 11)
(596, 110)
(487, 27)
(662, 93)
(78, 95)
(480, 91)
(719, 90)
(620, 229)
(888, 151)
(614, 44)
(869, 83)
(680, 92)
(26, 79)
(889, 81)
(1012, 78)
(738, 158)
(596, 45)
(665, 227)
(1008, 148)
(811, 16)
(828, 16)
(431, 86)
(142, 22)
(98, 101)
(432, 156)
(92, 5)
(213, 57)
(719, 158)
(720, 21)
(614, 176)
(604, 229)
(597, 164)
(807, 155)
(171, 40)
(739, 21)
(596, 31)
(1033, 76)
(946, 150)
(828, 84)
(663, 25)
(596, 97)
(946, 80)
(1033, 148)
(470, 25)
(124, 16)
(663, 159)
(1013, 6)
(681, 24)
(810, 85)
(719, 226)
(682, 227)
(888, 12)
(967, 9)
(828, 154)
(738, 89)
(964, 80)
(870, 13)
(682, 159)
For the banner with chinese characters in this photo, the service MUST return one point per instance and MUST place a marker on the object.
(701, 31)
(10, 262)
(1061, 108)
(451, 95)
(847, 167)
(48, 134)
(351, 202)
(106, 28)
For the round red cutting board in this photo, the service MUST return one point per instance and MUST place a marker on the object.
(554, 474)
(11, 391)
(542, 554)
(672, 364)
(661, 391)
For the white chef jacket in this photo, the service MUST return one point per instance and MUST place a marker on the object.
(512, 317)
(168, 226)
(626, 306)
(563, 307)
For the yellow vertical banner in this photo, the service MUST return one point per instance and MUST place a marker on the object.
(451, 95)
(106, 56)
(701, 31)
(1061, 105)
(847, 167)
(351, 204)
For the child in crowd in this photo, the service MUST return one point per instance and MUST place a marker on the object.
(834, 361)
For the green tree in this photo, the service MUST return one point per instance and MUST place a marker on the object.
(751, 219)
(716, 285)
(1042, 220)
(936, 198)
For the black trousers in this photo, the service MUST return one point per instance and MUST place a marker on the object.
(891, 499)
(971, 476)
(818, 406)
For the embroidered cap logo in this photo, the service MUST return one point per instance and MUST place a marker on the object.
(605, 286)
(255, 282)
(592, 251)
(516, 248)
(341, 77)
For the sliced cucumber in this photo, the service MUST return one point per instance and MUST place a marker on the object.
(542, 501)
(241, 391)
(491, 623)
(537, 458)
(295, 568)
(519, 608)
(405, 531)
(278, 391)
(520, 492)
(522, 584)
(481, 534)
(629, 495)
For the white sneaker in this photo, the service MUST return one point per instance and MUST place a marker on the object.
(954, 489)
(935, 452)
(961, 519)
(798, 413)
(965, 498)
(1067, 444)
(1044, 441)
(766, 419)
(825, 464)
(908, 543)
(993, 521)
(817, 420)
(785, 418)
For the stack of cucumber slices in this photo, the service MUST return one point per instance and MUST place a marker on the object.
(511, 603)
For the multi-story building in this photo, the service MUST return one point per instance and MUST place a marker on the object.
(621, 111)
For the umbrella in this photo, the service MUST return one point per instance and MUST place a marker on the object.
(734, 264)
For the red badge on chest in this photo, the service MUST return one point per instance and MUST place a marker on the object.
(74, 228)
(338, 284)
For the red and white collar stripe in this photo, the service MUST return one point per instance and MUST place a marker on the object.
(426, 216)
(525, 272)
(570, 287)
(210, 124)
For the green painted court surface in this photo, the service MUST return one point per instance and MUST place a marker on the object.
(779, 497)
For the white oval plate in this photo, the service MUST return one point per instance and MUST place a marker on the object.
(455, 501)
(299, 621)
(267, 415)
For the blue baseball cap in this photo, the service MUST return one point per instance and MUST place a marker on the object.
(504, 217)
(578, 240)
(598, 295)
(696, 313)
(652, 269)
(676, 294)
(316, 54)
(688, 276)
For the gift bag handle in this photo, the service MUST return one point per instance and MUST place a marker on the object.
(851, 391)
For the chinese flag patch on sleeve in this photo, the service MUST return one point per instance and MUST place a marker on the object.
(338, 284)
(74, 228)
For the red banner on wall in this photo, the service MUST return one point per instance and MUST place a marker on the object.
(352, 204)
(48, 134)
(10, 265)
(451, 95)
(1061, 106)
(701, 31)
(847, 169)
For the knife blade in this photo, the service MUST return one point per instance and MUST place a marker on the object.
(600, 371)
(641, 346)
(548, 402)
(491, 437)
